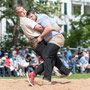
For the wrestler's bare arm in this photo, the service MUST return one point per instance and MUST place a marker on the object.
(38, 27)
(47, 30)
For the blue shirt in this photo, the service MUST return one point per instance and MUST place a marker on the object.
(66, 59)
(83, 60)
(44, 20)
(69, 53)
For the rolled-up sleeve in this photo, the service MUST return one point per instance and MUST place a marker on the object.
(30, 23)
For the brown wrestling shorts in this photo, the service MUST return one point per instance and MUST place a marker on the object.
(33, 43)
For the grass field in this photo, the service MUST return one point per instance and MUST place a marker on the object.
(73, 76)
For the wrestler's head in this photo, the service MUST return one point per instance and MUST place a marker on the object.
(31, 14)
(20, 11)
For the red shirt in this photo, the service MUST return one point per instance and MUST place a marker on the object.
(7, 62)
(16, 51)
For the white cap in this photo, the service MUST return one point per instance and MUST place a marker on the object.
(3, 58)
(58, 53)
(86, 55)
(33, 55)
(76, 55)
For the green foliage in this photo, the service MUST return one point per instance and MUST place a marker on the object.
(80, 33)
(8, 12)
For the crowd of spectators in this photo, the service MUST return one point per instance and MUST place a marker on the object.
(77, 62)
(14, 62)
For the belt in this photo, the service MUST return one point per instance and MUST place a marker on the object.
(33, 38)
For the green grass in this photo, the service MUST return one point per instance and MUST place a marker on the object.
(73, 76)
(12, 77)
(79, 76)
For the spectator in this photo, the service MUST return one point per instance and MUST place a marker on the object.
(2, 67)
(34, 62)
(61, 52)
(79, 50)
(65, 60)
(69, 53)
(72, 63)
(14, 66)
(22, 65)
(83, 62)
(23, 50)
(17, 49)
(10, 54)
(7, 64)
(1, 52)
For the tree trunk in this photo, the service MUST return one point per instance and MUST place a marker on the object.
(15, 35)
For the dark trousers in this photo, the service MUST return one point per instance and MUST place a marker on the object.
(8, 71)
(14, 73)
(2, 71)
(49, 55)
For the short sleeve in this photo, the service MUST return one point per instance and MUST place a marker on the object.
(44, 22)
(30, 23)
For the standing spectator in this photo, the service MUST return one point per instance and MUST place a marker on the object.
(10, 54)
(61, 52)
(79, 50)
(69, 53)
(23, 50)
(17, 48)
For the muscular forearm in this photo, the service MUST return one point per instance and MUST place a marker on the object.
(46, 31)
(56, 29)
(38, 27)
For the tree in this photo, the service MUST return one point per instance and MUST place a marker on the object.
(9, 14)
(80, 33)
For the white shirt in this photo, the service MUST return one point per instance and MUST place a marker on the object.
(27, 26)
(15, 63)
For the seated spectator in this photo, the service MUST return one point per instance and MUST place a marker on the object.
(14, 66)
(72, 63)
(69, 53)
(7, 64)
(22, 65)
(2, 67)
(61, 52)
(83, 63)
(65, 60)
(33, 63)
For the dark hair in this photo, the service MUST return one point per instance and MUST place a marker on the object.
(30, 12)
